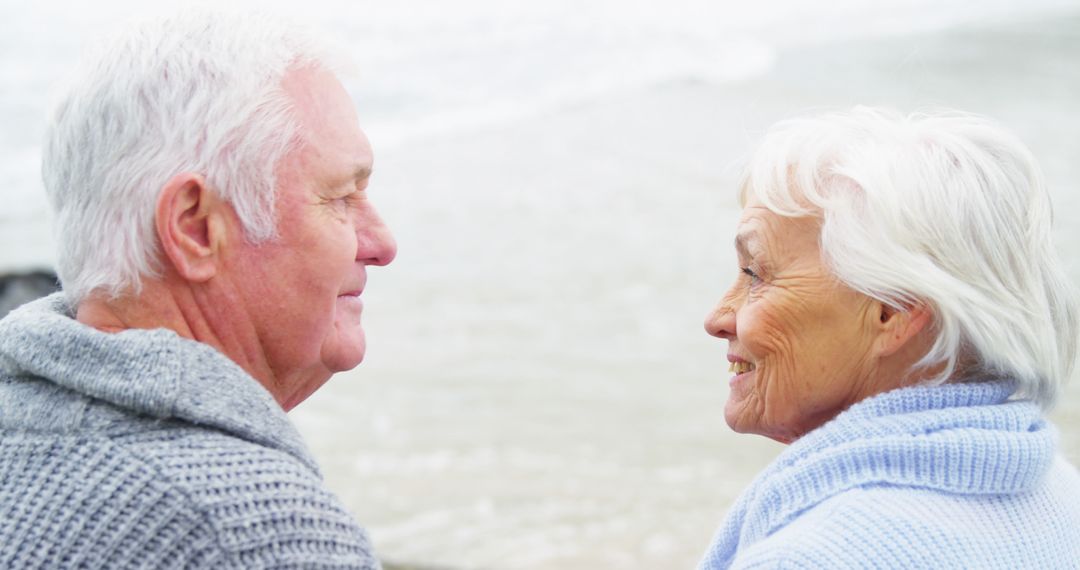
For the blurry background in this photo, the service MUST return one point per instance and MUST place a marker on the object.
(538, 392)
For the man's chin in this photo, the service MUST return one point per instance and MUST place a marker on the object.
(346, 354)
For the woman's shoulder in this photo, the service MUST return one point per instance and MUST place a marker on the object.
(905, 527)
(1065, 470)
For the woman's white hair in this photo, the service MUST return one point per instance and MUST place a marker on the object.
(198, 92)
(947, 210)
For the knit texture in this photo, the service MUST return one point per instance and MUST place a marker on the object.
(141, 449)
(955, 476)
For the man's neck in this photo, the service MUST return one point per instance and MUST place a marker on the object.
(188, 312)
(153, 308)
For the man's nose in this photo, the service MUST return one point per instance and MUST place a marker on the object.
(375, 243)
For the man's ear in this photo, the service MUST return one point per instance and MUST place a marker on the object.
(897, 327)
(188, 218)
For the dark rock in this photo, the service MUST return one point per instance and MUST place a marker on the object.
(19, 288)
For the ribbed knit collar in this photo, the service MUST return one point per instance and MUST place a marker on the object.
(966, 439)
(151, 372)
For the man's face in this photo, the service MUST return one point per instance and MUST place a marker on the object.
(302, 291)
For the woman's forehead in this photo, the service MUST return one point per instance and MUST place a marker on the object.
(762, 230)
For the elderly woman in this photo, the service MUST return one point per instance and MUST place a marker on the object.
(901, 319)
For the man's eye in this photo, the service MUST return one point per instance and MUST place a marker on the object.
(750, 273)
(346, 200)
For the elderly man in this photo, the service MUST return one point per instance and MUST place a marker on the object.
(209, 181)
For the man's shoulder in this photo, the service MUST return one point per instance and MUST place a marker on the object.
(70, 498)
(223, 472)
(179, 448)
(167, 485)
(258, 499)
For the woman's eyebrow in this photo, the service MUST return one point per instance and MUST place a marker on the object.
(741, 241)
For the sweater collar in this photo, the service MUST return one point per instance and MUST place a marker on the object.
(966, 439)
(151, 372)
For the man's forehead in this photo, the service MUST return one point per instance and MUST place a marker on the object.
(318, 97)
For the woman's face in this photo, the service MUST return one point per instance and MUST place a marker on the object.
(800, 343)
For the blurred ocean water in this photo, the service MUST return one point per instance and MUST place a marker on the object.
(539, 392)
(429, 68)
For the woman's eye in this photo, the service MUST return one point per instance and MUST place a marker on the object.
(750, 273)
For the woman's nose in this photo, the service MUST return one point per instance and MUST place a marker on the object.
(720, 322)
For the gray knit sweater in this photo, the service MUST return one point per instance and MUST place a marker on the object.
(142, 449)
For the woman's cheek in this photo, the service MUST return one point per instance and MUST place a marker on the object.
(762, 333)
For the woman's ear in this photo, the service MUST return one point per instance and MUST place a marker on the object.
(898, 327)
(188, 221)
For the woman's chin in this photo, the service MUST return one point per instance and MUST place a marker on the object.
(739, 414)
(744, 412)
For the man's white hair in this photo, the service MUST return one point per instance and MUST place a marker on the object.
(198, 92)
(947, 210)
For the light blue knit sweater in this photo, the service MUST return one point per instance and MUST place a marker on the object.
(950, 477)
(144, 450)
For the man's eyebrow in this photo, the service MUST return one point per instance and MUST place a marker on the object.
(361, 173)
